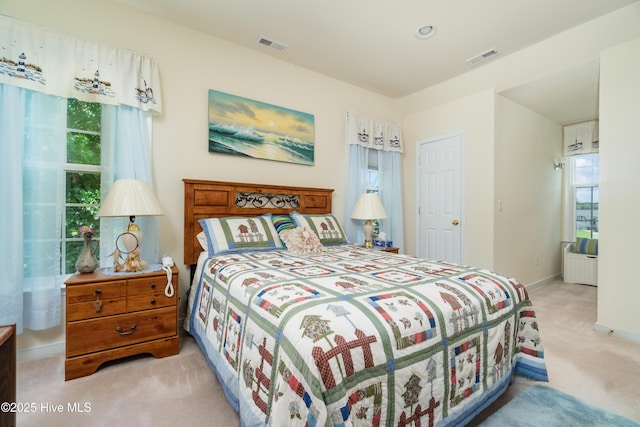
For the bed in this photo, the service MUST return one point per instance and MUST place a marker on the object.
(333, 334)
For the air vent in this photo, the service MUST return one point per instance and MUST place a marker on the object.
(483, 56)
(272, 44)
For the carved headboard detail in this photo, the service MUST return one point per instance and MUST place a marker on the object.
(215, 199)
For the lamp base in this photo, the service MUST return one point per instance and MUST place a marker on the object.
(131, 240)
(132, 263)
(368, 234)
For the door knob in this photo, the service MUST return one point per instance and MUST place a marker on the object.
(455, 222)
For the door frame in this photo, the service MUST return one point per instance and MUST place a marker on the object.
(461, 134)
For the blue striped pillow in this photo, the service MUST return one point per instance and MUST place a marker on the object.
(281, 223)
(586, 246)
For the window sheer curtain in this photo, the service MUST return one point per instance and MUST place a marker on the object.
(44, 69)
(365, 134)
(126, 154)
(33, 152)
(579, 138)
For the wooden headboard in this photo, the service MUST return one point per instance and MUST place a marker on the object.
(215, 199)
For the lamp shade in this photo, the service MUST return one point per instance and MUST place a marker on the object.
(368, 206)
(130, 197)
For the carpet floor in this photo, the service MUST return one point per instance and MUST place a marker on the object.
(545, 406)
(598, 369)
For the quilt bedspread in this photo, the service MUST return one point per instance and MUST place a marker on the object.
(352, 336)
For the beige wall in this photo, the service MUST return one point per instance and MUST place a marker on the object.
(527, 230)
(619, 252)
(474, 116)
(191, 63)
(440, 110)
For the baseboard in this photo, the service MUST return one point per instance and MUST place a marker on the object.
(544, 281)
(625, 335)
(40, 352)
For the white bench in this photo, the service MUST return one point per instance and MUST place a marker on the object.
(580, 268)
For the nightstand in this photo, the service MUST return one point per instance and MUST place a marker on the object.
(110, 316)
(392, 250)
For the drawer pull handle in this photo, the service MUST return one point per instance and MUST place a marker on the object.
(153, 302)
(98, 291)
(153, 285)
(119, 330)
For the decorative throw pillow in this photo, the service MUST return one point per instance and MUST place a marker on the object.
(240, 234)
(301, 240)
(282, 222)
(326, 227)
(586, 246)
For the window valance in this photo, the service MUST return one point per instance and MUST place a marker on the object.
(373, 133)
(581, 138)
(58, 64)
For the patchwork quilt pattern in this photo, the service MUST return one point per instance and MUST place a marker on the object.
(360, 337)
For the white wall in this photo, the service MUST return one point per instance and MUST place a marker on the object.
(619, 252)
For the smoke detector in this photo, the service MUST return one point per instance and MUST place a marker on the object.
(272, 44)
(481, 57)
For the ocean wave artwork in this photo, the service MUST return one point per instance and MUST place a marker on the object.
(250, 128)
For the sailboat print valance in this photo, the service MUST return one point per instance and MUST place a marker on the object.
(581, 138)
(58, 64)
(373, 133)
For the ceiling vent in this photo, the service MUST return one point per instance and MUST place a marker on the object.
(272, 44)
(482, 56)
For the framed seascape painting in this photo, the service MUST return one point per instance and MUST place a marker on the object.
(255, 129)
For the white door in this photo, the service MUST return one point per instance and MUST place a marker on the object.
(440, 198)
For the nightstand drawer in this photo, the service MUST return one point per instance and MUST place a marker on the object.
(87, 310)
(146, 285)
(148, 301)
(91, 292)
(89, 336)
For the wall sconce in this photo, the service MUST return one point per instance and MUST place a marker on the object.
(558, 164)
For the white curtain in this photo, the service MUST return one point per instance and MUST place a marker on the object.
(43, 69)
(365, 134)
(126, 153)
(33, 152)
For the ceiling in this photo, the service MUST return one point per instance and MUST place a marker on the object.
(371, 43)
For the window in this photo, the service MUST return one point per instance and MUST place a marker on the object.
(586, 168)
(82, 178)
(373, 180)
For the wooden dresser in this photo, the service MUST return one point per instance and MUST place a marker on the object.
(8, 375)
(114, 316)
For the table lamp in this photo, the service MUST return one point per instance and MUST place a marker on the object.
(129, 197)
(368, 207)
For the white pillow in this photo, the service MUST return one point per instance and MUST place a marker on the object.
(202, 239)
